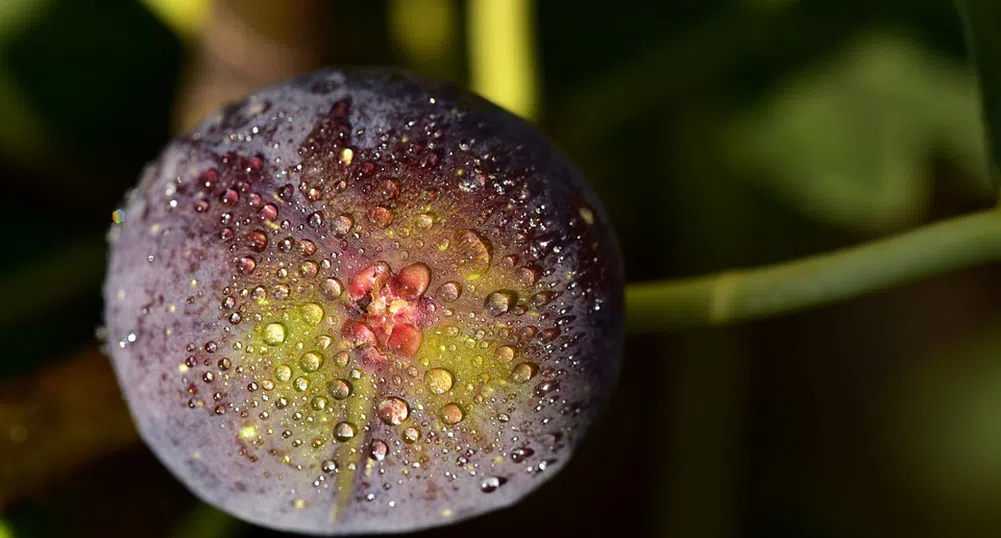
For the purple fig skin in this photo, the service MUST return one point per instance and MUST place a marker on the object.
(363, 302)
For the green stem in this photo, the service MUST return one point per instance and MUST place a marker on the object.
(741, 295)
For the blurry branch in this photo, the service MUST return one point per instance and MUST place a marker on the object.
(46, 283)
(741, 295)
(982, 26)
(186, 17)
(57, 419)
(502, 54)
(248, 44)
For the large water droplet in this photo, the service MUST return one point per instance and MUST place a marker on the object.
(393, 411)
(332, 288)
(274, 334)
(339, 389)
(283, 372)
(499, 302)
(475, 250)
(311, 361)
(452, 413)
(257, 240)
(312, 313)
(315, 219)
(341, 225)
(377, 450)
(524, 371)
(380, 216)
(449, 291)
(490, 485)
(439, 380)
(344, 431)
(411, 435)
(300, 384)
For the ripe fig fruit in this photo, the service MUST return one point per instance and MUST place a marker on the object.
(363, 302)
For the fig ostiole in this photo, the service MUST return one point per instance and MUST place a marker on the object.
(360, 302)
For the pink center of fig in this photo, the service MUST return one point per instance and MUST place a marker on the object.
(387, 310)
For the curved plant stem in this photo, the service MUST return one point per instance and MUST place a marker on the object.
(501, 53)
(740, 295)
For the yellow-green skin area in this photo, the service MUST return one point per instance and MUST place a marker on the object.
(281, 381)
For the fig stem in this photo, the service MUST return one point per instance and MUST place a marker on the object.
(739, 295)
(502, 53)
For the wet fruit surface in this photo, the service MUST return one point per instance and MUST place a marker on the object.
(363, 302)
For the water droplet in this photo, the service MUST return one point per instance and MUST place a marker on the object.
(519, 455)
(377, 450)
(527, 276)
(411, 435)
(257, 240)
(300, 384)
(268, 213)
(332, 288)
(393, 411)
(540, 299)
(505, 353)
(339, 389)
(425, 221)
(309, 269)
(490, 485)
(390, 188)
(499, 302)
(380, 216)
(323, 341)
(318, 403)
(274, 334)
(344, 431)
(587, 214)
(449, 291)
(315, 219)
(312, 313)
(474, 249)
(342, 225)
(452, 413)
(283, 372)
(524, 371)
(307, 248)
(229, 197)
(342, 358)
(439, 380)
(311, 361)
(328, 466)
(246, 265)
(281, 292)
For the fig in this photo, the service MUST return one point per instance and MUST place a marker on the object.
(362, 301)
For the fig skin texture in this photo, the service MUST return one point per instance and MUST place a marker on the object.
(363, 302)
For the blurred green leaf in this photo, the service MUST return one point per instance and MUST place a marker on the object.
(15, 15)
(5, 531)
(982, 25)
(847, 142)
